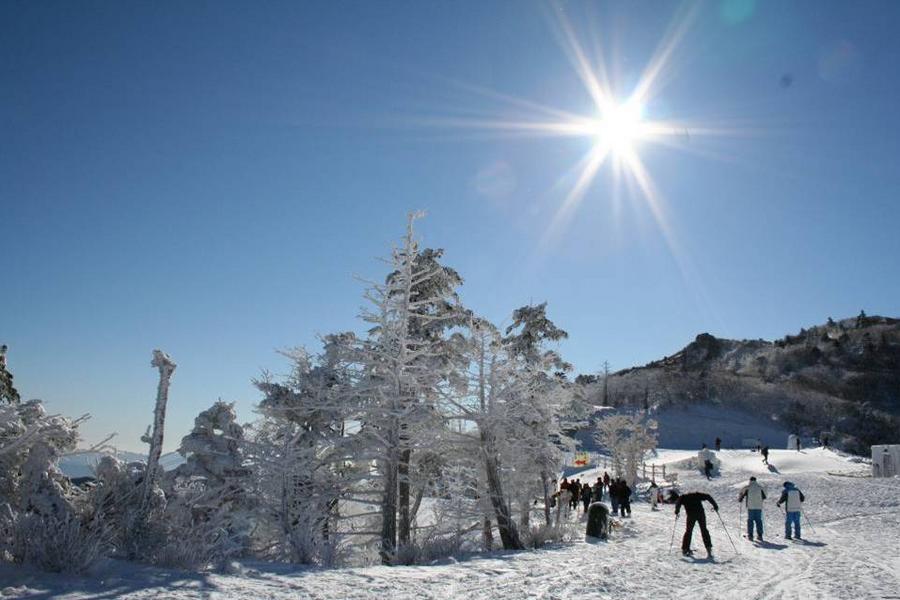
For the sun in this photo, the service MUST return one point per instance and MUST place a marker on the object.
(619, 127)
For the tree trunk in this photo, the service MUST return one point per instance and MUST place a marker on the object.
(545, 482)
(389, 503)
(403, 499)
(166, 367)
(505, 523)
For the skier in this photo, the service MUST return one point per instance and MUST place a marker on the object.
(606, 479)
(765, 454)
(793, 500)
(693, 506)
(754, 495)
(718, 444)
(707, 463)
(586, 496)
(575, 490)
(624, 498)
(654, 494)
(597, 492)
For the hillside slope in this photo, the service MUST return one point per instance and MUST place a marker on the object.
(841, 379)
(848, 552)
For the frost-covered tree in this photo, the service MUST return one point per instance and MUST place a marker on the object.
(543, 391)
(210, 492)
(305, 463)
(402, 365)
(8, 392)
(40, 510)
(628, 438)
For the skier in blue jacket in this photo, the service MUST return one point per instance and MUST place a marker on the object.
(793, 499)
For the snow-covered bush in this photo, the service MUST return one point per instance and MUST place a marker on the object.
(57, 543)
(115, 500)
(628, 438)
(538, 536)
(430, 548)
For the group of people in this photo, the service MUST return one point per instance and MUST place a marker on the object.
(572, 493)
(752, 495)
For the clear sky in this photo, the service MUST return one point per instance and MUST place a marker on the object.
(207, 178)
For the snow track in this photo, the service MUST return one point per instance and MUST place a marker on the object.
(853, 553)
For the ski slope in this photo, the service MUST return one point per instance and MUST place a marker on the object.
(853, 552)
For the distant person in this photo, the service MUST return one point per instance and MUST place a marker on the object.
(613, 490)
(693, 506)
(624, 498)
(586, 495)
(824, 441)
(707, 468)
(798, 443)
(654, 495)
(606, 479)
(597, 491)
(575, 490)
(754, 495)
(793, 500)
(765, 454)
(718, 444)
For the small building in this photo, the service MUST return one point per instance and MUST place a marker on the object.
(886, 460)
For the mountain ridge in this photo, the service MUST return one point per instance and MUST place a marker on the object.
(840, 379)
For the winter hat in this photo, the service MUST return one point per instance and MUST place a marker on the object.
(753, 479)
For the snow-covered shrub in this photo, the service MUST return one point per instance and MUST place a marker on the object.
(198, 546)
(115, 499)
(57, 543)
(434, 546)
(538, 536)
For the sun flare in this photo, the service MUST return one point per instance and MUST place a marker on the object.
(620, 127)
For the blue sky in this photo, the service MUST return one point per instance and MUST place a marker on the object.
(207, 178)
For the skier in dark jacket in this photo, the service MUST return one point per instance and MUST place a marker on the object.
(586, 496)
(575, 489)
(765, 453)
(693, 506)
(718, 444)
(624, 498)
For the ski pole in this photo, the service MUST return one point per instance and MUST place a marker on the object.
(813, 529)
(741, 515)
(726, 533)
(674, 526)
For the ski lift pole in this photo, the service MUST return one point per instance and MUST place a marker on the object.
(726, 533)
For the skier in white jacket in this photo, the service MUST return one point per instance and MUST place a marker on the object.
(793, 500)
(753, 494)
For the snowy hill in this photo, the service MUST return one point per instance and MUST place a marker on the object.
(840, 378)
(81, 464)
(690, 426)
(850, 551)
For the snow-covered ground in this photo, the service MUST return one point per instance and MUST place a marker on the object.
(852, 551)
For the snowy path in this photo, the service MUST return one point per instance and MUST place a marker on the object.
(853, 552)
